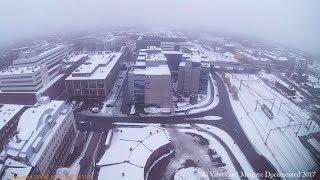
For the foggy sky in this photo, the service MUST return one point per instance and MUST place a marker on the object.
(292, 22)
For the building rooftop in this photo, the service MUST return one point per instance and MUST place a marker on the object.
(14, 169)
(20, 70)
(129, 151)
(34, 56)
(97, 67)
(172, 52)
(74, 58)
(158, 70)
(36, 134)
(7, 111)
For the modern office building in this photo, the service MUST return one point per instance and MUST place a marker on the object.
(95, 77)
(9, 117)
(35, 73)
(174, 58)
(23, 79)
(40, 144)
(150, 80)
(51, 57)
(158, 87)
(193, 75)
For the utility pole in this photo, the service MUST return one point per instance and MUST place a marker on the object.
(309, 126)
(256, 105)
(298, 129)
(274, 99)
(280, 106)
(240, 85)
(265, 142)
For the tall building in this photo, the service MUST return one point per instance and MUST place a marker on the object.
(158, 87)
(41, 143)
(95, 77)
(150, 80)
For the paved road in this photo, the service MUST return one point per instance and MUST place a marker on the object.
(224, 109)
(231, 125)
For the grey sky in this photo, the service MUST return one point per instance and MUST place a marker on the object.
(293, 22)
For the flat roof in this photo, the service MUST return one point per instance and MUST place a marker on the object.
(158, 70)
(97, 67)
(7, 111)
(35, 57)
(75, 58)
(172, 52)
(140, 63)
(20, 70)
(118, 159)
(156, 57)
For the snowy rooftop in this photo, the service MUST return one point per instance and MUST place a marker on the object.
(7, 111)
(140, 63)
(97, 67)
(36, 132)
(35, 56)
(139, 71)
(172, 52)
(74, 58)
(119, 159)
(279, 58)
(158, 70)
(20, 70)
(13, 167)
(156, 57)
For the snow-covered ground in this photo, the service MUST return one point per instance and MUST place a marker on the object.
(213, 104)
(272, 79)
(282, 147)
(214, 144)
(202, 101)
(236, 151)
(191, 173)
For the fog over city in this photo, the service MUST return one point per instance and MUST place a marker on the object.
(292, 22)
(159, 89)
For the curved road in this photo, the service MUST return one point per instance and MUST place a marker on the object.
(229, 124)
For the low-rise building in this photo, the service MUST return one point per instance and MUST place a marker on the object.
(35, 73)
(43, 140)
(132, 152)
(95, 77)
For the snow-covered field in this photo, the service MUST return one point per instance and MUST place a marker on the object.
(282, 147)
